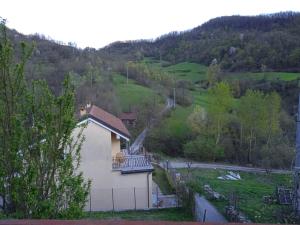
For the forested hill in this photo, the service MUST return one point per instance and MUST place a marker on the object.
(52, 60)
(239, 43)
(90, 72)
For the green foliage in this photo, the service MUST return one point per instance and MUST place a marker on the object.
(221, 102)
(170, 134)
(203, 149)
(239, 43)
(259, 116)
(39, 157)
(160, 178)
(213, 73)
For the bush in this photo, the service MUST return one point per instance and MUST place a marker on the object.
(203, 148)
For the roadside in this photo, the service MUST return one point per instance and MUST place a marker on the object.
(186, 164)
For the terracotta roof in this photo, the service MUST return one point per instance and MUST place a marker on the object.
(107, 119)
(128, 116)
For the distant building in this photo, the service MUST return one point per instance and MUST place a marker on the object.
(128, 118)
(119, 181)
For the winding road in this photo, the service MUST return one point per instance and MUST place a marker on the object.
(184, 164)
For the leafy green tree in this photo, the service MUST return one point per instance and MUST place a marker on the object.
(251, 113)
(39, 156)
(273, 108)
(221, 101)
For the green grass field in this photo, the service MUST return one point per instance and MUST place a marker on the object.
(133, 94)
(250, 191)
(173, 214)
(177, 121)
(283, 76)
(182, 71)
(187, 71)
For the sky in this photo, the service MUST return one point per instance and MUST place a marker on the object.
(96, 23)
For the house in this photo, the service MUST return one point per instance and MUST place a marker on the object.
(128, 118)
(119, 181)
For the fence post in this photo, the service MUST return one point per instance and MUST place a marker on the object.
(90, 202)
(157, 196)
(204, 216)
(112, 198)
(134, 198)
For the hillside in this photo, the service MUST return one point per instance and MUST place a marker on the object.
(239, 43)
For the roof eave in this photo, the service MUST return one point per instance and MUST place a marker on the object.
(104, 125)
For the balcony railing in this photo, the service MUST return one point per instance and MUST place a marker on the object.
(132, 163)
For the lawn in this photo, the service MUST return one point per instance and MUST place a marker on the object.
(283, 76)
(173, 214)
(250, 191)
(160, 178)
(187, 71)
(182, 71)
(132, 94)
(177, 121)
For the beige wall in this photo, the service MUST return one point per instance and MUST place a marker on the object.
(108, 186)
(116, 145)
(127, 184)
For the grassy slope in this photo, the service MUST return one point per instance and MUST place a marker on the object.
(132, 94)
(284, 76)
(250, 191)
(187, 71)
(182, 71)
(160, 178)
(177, 122)
(195, 72)
(173, 214)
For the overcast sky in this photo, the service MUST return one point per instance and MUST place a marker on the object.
(96, 23)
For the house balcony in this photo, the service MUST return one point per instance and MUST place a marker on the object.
(132, 163)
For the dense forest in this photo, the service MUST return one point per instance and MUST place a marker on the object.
(239, 43)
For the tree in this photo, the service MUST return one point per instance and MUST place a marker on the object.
(39, 156)
(210, 125)
(259, 117)
(213, 72)
(273, 108)
(221, 101)
(252, 117)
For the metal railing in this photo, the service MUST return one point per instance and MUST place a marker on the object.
(131, 161)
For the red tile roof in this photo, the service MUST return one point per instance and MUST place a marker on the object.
(128, 116)
(107, 119)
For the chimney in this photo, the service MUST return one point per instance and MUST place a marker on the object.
(85, 109)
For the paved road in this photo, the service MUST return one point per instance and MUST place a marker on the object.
(182, 164)
(138, 142)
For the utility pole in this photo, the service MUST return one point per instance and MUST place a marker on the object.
(297, 167)
(160, 57)
(174, 97)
